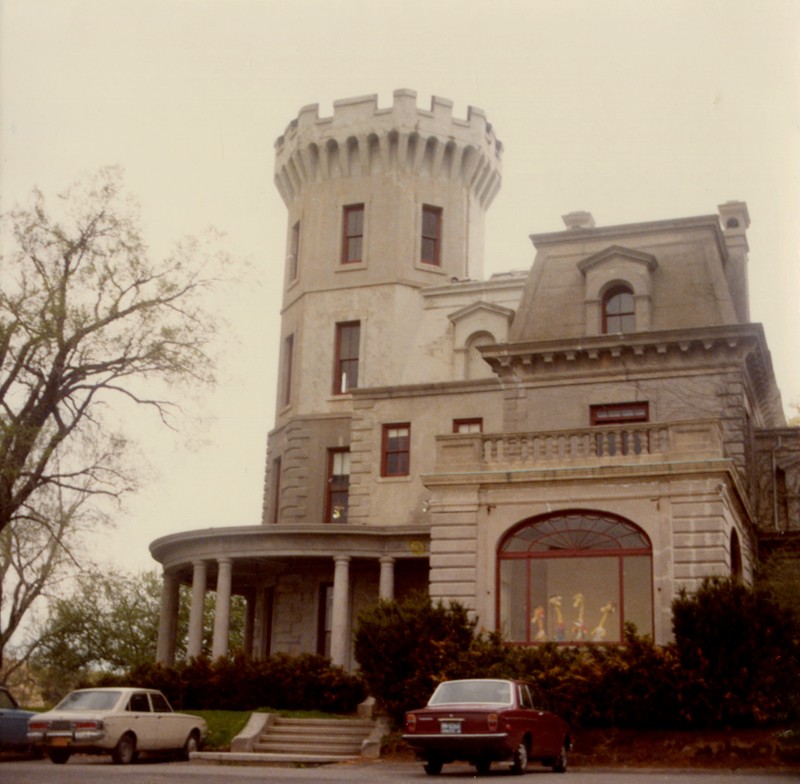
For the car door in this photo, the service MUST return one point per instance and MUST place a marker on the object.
(13, 721)
(172, 728)
(538, 720)
(140, 720)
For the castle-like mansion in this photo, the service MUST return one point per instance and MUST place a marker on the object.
(561, 449)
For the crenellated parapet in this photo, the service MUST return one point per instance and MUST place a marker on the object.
(363, 140)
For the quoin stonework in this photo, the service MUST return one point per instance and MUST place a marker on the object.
(560, 449)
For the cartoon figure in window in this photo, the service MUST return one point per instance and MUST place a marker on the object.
(599, 631)
(538, 619)
(580, 632)
(555, 603)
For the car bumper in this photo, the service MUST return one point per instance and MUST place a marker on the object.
(489, 745)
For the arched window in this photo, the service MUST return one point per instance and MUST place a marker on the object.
(572, 577)
(619, 310)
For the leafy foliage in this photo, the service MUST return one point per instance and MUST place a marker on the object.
(88, 324)
(108, 623)
(305, 682)
(735, 661)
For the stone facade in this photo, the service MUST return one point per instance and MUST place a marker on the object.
(572, 444)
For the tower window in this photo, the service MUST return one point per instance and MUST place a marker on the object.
(619, 313)
(353, 234)
(430, 247)
(294, 250)
(396, 450)
(345, 372)
(288, 360)
(338, 485)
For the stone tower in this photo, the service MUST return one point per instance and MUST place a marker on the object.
(381, 203)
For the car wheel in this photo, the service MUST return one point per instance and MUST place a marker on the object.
(59, 756)
(125, 751)
(190, 746)
(433, 767)
(520, 762)
(560, 764)
(483, 767)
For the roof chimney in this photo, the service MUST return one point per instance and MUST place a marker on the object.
(578, 220)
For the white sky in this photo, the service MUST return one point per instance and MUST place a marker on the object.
(632, 109)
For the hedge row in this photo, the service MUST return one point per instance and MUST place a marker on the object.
(305, 682)
(735, 661)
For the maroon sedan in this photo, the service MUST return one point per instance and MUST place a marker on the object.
(483, 721)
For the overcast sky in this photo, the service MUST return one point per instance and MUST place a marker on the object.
(632, 109)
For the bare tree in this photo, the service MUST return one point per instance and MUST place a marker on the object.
(87, 323)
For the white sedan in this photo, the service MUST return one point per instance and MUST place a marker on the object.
(116, 721)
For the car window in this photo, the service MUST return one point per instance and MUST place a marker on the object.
(525, 700)
(160, 704)
(139, 703)
(454, 692)
(89, 700)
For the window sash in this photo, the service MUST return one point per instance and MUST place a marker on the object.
(345, 371)
(474, 425)
(338, 486)
(353, 234)
(619, 311)
(288, 362)
(294, 251)
(430, 245)
(396, 450)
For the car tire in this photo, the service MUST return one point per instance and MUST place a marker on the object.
(433, 767)
(191, 745)
(59, 756)
(519, 764)
(482, 767)
(124, 753)
(560, 763)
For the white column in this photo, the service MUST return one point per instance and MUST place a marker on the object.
(340, 640)
(222, 612)
(168, 620)
(194, 646)
(386, 584)
(249, 623)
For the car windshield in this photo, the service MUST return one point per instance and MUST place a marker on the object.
(89, 700)
(455, 692)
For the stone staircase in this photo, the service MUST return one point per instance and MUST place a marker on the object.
(274, 740)
(331, 740)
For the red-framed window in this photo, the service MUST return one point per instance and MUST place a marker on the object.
(617, 413)
(619, 310)
(353, 234)
(294, 251)
(396, 449)
(338, 486)
(474, 425)
(574, 577)
(431, 241)
(288, 362)
(345, 370)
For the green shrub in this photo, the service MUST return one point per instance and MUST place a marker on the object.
(405, 648)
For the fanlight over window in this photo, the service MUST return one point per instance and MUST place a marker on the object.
(574, 577)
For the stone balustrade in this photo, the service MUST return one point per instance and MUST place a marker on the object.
(641, 443)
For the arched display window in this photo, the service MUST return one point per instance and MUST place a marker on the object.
(574, 577)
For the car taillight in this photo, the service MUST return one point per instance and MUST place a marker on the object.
(38, 725)
(88, 725)
(411, 722)
(492, 720)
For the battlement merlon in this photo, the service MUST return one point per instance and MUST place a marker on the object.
(314, 147)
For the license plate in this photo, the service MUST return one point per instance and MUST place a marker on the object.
(59, 741)
(451, 728)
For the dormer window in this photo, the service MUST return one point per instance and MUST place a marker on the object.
(619, 310)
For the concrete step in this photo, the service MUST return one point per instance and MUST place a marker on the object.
(299, 738)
